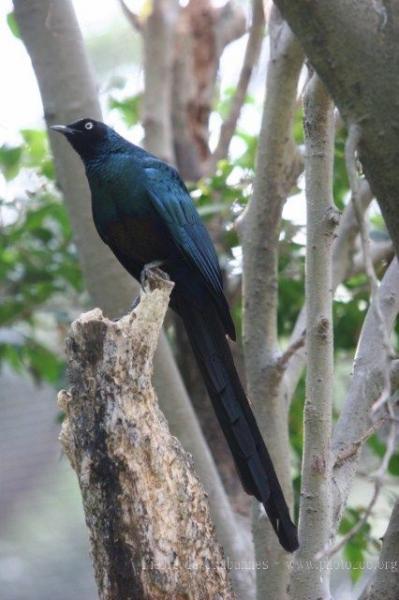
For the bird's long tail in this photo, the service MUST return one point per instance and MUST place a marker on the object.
(254, 465)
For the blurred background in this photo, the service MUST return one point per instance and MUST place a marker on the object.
(43, 541)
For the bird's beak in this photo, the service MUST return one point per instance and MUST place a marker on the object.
(63, 129)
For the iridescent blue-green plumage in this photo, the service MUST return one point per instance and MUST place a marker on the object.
(144, 213)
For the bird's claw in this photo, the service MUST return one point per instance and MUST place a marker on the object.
(150, 270)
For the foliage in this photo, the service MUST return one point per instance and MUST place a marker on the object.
(128, 107)
(37, 258)
(13, 25)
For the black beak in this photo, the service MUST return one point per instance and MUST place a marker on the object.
(63, 129)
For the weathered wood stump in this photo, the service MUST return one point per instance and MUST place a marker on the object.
(151, 536)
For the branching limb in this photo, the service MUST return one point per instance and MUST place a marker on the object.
(230, 24)
(353, 449)
(201, 35)
(284, 358)
(379, 252)
(147, 514)
(277, 169)
(252, 51)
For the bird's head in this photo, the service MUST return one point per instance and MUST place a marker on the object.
(88, 137)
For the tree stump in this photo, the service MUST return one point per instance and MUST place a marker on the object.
(151, 536)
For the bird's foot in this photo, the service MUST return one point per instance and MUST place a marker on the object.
(150, 270)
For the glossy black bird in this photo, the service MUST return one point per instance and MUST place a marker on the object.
(144, 213)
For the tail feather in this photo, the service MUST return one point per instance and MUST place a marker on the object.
(253, 462)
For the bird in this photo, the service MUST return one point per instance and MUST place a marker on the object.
(143, 211)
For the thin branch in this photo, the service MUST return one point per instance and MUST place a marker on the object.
(315, 515)
(351, 167)
(342, 262)
(348, 231)
(276, 172)
(352, 171)
(229, 24)
(355, 446)
(379, 251)
(284, 359)
(252, 52)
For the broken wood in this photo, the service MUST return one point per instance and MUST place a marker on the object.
(150, 531)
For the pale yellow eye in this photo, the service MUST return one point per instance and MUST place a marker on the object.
(89, 125)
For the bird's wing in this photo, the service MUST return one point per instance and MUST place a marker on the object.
(173, 203)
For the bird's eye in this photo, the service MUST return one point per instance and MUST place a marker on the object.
(89, 125)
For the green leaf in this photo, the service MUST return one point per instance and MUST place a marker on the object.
(393, 466)
(357, 546)
(129, 108)
(377, 445)
(355, 555)
(13, 25)
(43, 364)
(299, 135)
(36, 146)
(10, 160)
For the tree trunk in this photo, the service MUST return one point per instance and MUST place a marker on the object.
(151, 534)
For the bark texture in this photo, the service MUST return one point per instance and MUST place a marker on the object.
(151, 534)
(322, 219)
(363, 88)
